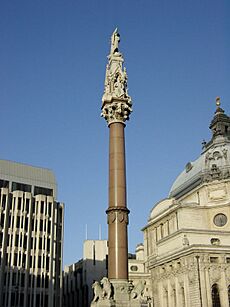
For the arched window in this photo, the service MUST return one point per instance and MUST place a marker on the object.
(215, 296)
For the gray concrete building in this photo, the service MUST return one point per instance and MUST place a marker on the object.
(31, 237)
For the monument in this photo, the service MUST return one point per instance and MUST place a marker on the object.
(116, 290)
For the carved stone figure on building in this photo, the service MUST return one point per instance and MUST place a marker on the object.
(115, 39)
(185, 241)
(98, 291)
(138, 290)
(107, 288)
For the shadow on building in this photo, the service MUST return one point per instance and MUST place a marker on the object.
(78, 279)
(19, 288)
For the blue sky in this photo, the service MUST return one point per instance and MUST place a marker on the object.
(52, 65)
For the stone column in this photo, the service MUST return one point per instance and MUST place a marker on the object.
(116, 108)
(117, 211)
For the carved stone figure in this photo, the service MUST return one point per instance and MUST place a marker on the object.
(107, 288)
(98, 291)
(138, 290)
(185, 241)
(115, 39)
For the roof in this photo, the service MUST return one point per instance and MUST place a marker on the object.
(27, 174)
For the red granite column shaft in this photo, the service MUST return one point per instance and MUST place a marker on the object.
(117, 211)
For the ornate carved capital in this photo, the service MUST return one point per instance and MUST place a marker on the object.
(116, 103)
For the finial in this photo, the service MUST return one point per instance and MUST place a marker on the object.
(218, 101)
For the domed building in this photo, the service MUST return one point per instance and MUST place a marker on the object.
(187, 237)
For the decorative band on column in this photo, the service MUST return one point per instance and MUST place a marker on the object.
(119, 214)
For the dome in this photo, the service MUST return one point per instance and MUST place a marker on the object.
(213, 164)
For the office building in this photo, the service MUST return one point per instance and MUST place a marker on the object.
(31, 237)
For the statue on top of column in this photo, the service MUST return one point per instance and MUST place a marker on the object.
(115, 39)
(116, 103)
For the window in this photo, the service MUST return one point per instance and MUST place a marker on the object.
(215, 296)
(18, 222)
(3, 202)
(38, 281)
(26, 224)
(16, 186)
(39, 262)
(49, 209)
(25, 242)
(19, 203)
(4, 184)
(16, 239)
(9, 220)
(134, 268)
(22, 280)
(43, 191)
(49, 227)
(41, 225)
(2, 220)
(42, 207)
(15, 259)
(40, 243)
(27, 205)
(214, 259)
(47, 263)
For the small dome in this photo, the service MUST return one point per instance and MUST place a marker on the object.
(161, 207)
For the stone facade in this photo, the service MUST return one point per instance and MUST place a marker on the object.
(187, 246)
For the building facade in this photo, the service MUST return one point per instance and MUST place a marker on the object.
(31, 237)
(186, 238)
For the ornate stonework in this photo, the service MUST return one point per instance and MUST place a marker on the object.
(119, 214)
(116, 103)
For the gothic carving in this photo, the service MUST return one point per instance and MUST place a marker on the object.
(116, 103)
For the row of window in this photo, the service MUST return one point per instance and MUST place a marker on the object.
(21, 204)
(17, 186)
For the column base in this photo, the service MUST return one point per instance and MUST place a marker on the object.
(119, 293)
